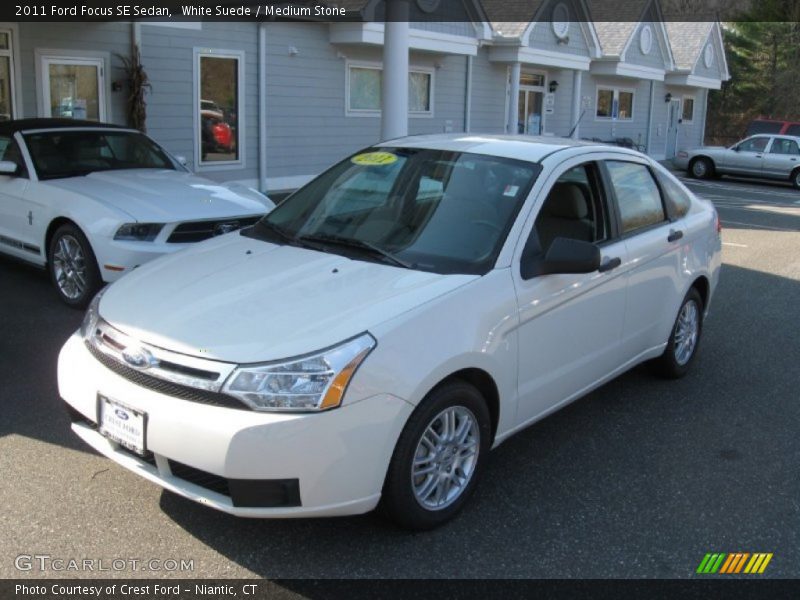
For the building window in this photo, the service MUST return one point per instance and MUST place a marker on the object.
(364, 91)
(219, 107)
(73, 87)
(6, 76)
(687, 115)
(614, 103)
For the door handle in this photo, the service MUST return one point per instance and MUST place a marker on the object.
(674, 235)
(610, 264)
(758, 155)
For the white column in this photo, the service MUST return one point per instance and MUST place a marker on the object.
(394, 89)
(513, 100)
(576, 103)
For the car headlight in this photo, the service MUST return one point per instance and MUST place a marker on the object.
(92, 315)
(311, 383)
(138, 232)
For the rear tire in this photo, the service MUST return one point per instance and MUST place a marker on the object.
(683, 340)
(796, 179)
(73, 266)
(701, 168)
(438, 459)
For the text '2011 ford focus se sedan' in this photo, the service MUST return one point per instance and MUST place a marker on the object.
(374, 336)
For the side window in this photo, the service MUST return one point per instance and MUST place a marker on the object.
(758, 144)
(9, 150)
(784, 146)
(637, 195)
(675, 195)
(574, 208)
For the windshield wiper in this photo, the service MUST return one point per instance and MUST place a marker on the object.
(360, 245)
(292, 240)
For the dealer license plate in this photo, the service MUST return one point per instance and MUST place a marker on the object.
(122, 424)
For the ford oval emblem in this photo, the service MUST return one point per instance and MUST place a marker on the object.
(121, 414)
(138, 358)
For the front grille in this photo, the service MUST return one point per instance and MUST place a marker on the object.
(209, 481)
(197, 231)
(168, 388)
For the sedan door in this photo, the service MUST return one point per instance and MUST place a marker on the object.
(569, 324)
(16, 231)
(747, 157)
(653, 244)
(782, 157)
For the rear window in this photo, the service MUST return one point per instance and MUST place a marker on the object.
(638, 197)
(764, 127)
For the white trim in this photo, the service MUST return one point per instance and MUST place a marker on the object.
(239, 56)
(622, 69)
(15, 68)
(290, 182)
(366, 112)
(535, 56)
(723, 60)
(684, 98)
(418, 39)
(80, 57)
(615, 96)
(693, 81)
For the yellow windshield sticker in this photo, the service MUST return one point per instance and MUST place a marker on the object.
(380, 159)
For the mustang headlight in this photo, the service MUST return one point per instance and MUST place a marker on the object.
(138, 232)
(311, 383)
(89, 324)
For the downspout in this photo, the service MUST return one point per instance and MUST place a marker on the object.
(262, 108)
(650, 117)
(468, 96)
(705, 117)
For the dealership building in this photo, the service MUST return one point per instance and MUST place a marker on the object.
(274, 103)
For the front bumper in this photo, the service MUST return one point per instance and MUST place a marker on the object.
(117, 257)
(337, 459)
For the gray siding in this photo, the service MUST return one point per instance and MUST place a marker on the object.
(462, 28)
(714, 71)
(689, 134)
(112, 39)
(488, 94)
(543, 38)
(655, 58)
(167, 56)
(606, 129)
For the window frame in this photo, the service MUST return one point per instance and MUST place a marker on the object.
(690, 120)
(12, 53)
(777, 139)
(615, 91)
(45, 56)
(611, 193)
(377, 66)
(197, 142)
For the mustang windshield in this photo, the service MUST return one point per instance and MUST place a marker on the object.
(73, 153)
(432, 210)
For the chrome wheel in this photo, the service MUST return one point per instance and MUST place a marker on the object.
(699, 169)
(687, 330)
(69, 267)
(445, 458)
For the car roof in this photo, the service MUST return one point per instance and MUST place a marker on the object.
(11, 127)
(521, 147)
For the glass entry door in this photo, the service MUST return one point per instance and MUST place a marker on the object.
(531, 100)
(74, 88)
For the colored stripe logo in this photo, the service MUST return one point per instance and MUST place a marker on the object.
(734, 562)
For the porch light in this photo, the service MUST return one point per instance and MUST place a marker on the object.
(668, 97)
(553, 86)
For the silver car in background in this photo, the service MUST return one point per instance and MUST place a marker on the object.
(765, 156)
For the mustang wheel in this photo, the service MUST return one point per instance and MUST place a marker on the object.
(72, 266)
(684, 339)
(439, 458)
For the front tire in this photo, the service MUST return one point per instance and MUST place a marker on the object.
(73, 266)
(701, 168)
(439, 458)
(683, 341)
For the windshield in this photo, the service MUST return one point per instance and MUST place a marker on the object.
(432, 210)
(73, 153)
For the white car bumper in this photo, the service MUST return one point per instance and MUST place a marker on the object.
(336, 460)
(116, 258)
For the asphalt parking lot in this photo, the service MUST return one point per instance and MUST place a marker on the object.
(639, 479)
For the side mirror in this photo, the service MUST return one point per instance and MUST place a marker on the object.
(181, 159)
(565, 255)
(736, 149)
(8, 168)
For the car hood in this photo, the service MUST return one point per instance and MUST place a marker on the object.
(164, 196)
(242, 300)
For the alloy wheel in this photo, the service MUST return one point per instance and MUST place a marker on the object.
(69, 267)
(687, 331)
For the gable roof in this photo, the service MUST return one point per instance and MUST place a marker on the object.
(687, 40)
(499, 11)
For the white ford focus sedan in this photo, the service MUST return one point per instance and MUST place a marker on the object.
(373, 337)
(92, 202)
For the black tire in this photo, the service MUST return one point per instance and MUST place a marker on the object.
(673, 364)
(82, 271)
(701, 168)
(399, 501)
(796, 179)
